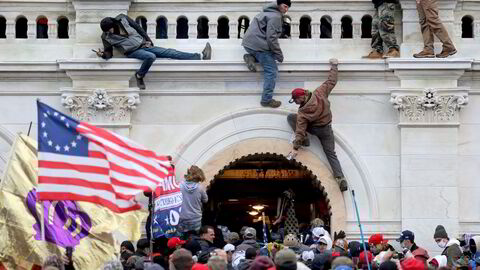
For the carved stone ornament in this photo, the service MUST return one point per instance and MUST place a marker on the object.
(87, 107)
(431, 106)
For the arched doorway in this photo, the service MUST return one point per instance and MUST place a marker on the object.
(259, 180)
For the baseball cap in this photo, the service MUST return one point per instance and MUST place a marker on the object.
(174, 242)
(229, 247)
(406, 235)
(250, 233)
(377, 239)
(296, 93)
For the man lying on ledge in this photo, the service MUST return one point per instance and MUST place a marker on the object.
(126, 35)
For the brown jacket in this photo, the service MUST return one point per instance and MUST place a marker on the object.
(316, 110)
(419, 253)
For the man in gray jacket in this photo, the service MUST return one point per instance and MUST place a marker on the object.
(261, 43)
(126, 35)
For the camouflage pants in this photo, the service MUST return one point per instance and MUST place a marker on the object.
(383, 27)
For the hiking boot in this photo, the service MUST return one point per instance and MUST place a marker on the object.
(140, 82)
(446, 53)
(271, 103)
(342, 183)
(250, 61)
(207, 52)
(392, 53)
(424, 54)
(374, 55)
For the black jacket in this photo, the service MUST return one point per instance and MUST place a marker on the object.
(378, 3)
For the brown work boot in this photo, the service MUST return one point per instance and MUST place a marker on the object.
(342, 183)
(446, 53)
(424, 54)
(374, 54)
(392, 53)
(271, 103)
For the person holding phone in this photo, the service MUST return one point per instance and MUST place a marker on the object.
(129, 37)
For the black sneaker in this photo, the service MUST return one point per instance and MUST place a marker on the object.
(342, 183)
(272, 103)
(140, 82)
(250, 61)
(207, 52)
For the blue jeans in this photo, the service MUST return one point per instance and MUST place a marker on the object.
(148, 55)
(270, 70)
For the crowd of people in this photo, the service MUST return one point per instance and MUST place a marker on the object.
(216, 248)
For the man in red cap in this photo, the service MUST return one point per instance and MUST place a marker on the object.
(314, 115)
(377, 243)
(175, 243)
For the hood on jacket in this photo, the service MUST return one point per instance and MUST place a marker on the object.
(272, 7)
(453, 241)
(190, 187)
(475, 244)
(329, 241)
(441, 260)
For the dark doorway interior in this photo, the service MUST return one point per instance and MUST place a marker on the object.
(260, 179)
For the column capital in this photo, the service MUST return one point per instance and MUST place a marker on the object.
(429, 107)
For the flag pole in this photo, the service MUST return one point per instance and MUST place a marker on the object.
(42, 222)
(361, 230)
(29, 128)
(152, 219)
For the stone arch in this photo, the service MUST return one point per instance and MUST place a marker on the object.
(248, 131)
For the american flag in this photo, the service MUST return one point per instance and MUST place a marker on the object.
(78, 161)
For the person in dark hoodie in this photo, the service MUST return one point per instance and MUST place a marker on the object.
(194, 196)
(250, 240)
(261, 43)
(451, 247)
(314, 116)
(474, 245)
(129, 37)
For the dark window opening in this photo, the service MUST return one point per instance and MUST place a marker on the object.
(243, 23)
(162, 28)
(3, 27)
(286, 27)
(326, 27)
(467, 27)
(63, 28)
(21, 27)
(202, 27)
(347, 29)
(223, 28)
(182, 28)
(142, 21)
(42, 28)
(305, 27)
(366, 26)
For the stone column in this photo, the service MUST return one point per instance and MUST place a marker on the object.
(412, 34)
(429, 102)
(87, 23)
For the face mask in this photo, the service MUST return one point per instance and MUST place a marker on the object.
(442, 244)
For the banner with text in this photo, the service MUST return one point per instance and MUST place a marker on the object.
(167, 204)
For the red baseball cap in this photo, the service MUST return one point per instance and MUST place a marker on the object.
(296, 93)
(174, 242)
(377, 239)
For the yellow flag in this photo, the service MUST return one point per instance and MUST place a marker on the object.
(92, 230)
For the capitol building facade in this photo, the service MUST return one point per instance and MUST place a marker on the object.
(407, 130)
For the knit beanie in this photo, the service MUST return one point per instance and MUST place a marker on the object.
(261, 263)
(250, 253)
(285, 258)
(107, 23)
(286, 2)
(440, 232)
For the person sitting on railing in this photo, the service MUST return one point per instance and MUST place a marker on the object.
(126, 35)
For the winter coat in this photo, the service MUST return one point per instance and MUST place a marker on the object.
(452, 251)
(135, 37)
(246, 244)
(419, 253)
(245, 264)
(315, 112)
(264, 30)
(194, 196)
(205, 245)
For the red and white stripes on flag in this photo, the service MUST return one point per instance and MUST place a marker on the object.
(114, 172)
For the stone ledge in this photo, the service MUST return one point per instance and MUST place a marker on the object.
(430, 64)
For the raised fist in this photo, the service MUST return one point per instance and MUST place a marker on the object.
(333, 61)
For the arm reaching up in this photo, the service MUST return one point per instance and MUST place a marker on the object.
(331, 81)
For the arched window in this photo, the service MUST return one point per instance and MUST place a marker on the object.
(366, 26)
(142, 21)
(326, 27)
(62, 28)
(347, 29)
(223, 28)
(202, 27)
(467, 26)
(182, 27)
(243, 24)
(305, 27)
(286, 27)
(3, 27)
(162, 28)
(42, 27)
(21, 27)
